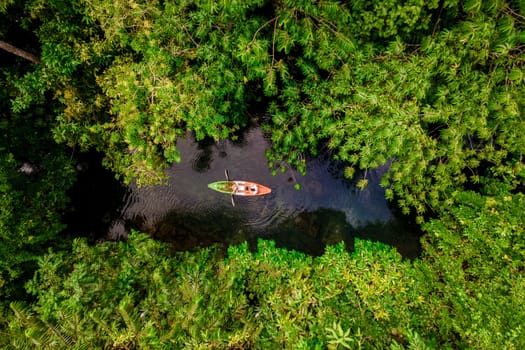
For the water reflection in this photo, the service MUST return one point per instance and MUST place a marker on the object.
(326, 210)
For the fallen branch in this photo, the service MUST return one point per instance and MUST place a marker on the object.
(19, 52)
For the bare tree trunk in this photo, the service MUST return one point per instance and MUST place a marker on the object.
(16, 51)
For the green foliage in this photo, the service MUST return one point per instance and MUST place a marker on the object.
(29, 217)
(34, 178)
(444, 109)
(135, 295)
(136, 76)
(4, 4)
(435, 88)
(466, 291)
(476, 254)
(35, 174)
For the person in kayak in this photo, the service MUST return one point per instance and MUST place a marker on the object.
(242, 188)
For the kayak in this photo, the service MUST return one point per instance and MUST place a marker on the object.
(240, 188)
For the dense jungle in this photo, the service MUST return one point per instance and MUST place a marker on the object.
(435, 89)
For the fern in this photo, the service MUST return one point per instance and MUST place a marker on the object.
(38, 331)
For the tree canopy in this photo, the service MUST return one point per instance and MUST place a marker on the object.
(466, 291)
(35, 174)
(433, 89)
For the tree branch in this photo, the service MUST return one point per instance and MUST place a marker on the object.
(19, 52)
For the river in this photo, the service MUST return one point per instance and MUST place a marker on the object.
(326, 210)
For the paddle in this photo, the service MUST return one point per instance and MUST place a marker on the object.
(228, 179)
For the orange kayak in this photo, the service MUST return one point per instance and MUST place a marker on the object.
(240, 188)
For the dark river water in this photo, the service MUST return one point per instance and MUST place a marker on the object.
(326, 210)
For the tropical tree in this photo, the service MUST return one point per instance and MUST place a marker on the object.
(476, 253)
(434, 89)
(441, 102)
(465, 291)
(35, 173)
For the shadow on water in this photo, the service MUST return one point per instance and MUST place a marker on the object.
(312, 231)
(328, 208)
(96, 198)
